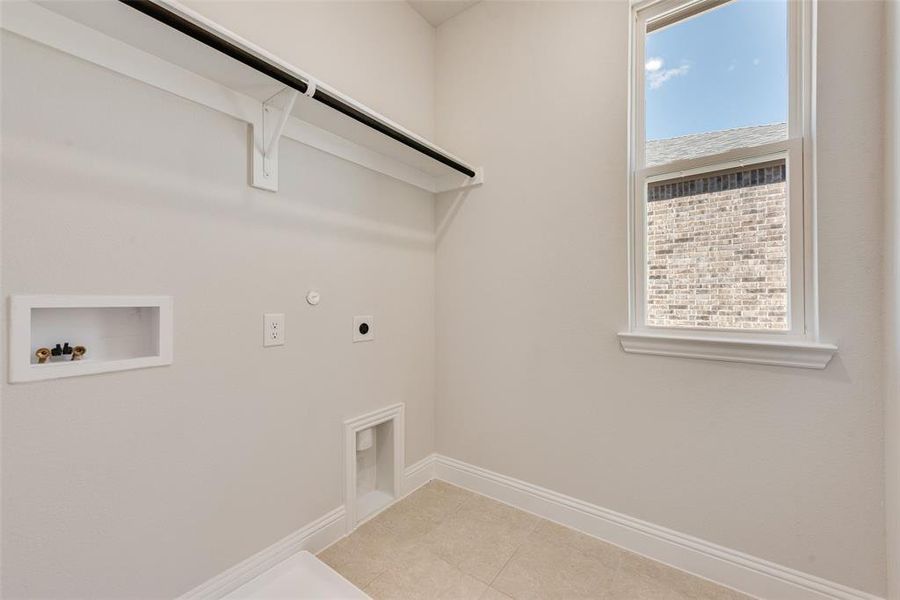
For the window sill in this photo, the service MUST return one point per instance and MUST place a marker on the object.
(806, 355)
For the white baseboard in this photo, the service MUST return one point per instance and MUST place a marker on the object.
(418, 474)
(312, 537)
(748, 574)
(46, 26)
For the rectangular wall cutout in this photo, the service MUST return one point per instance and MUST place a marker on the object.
(374, 451)
(115, 332)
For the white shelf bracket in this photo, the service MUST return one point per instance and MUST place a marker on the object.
(266, 133)
(458, 182)
(85, 32)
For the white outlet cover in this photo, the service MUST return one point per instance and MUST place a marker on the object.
(273, 329)
(364, 323)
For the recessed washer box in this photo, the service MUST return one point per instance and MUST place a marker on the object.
(118, 333)
(373, 475)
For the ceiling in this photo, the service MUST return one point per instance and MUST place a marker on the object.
(438, 11)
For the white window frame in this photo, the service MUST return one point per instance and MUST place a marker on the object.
(799, 345)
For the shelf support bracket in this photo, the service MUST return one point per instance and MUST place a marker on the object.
(265, 136)
(458, 182)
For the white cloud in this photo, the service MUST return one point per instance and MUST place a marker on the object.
(658, 75)
(653, 65)
(755, 62)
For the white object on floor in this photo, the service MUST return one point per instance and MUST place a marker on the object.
(300, 577)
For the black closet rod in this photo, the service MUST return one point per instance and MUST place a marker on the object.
(187, 27)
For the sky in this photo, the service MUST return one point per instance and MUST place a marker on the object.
(722, 69)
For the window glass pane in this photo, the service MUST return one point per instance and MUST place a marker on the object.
(716, 81)
(717, 250)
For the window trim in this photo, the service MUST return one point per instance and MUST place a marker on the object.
(756, 346)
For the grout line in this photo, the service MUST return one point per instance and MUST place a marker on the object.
(371, 581)
(515, 552)
(617, 571)
(511, 556)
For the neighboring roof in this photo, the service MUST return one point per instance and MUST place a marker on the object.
(704, 144)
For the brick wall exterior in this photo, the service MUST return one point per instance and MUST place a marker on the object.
(717, 254)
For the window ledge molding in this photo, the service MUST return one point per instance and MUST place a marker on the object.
(805, 355)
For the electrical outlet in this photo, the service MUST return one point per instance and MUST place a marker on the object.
(363, 328)
(273, 329)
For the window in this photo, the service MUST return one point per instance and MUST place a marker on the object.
(722, 255)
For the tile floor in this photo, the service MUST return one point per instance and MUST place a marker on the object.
(443, 542)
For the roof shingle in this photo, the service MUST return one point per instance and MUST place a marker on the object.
(664, 151)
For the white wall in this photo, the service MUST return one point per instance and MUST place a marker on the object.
(146, 483)
(379, 53)
(107, 480)
(786, 464)
(892, 288)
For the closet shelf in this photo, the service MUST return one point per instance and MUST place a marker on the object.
(174, 48)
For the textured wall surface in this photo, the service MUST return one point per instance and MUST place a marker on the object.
(718, 258)
(380, 53)
(143, 484)
(786, 464)
(892, 293)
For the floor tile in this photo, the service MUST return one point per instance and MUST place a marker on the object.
(548, 532)
(424, 509)
(477, 547)
(424, 576)
(553, 571)
(465, 588)
(365, 554)
(637, 587)
(445, 543)
(450, 491)
(493, 594)
(485, 510)
(707, 590)
(679, 581)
